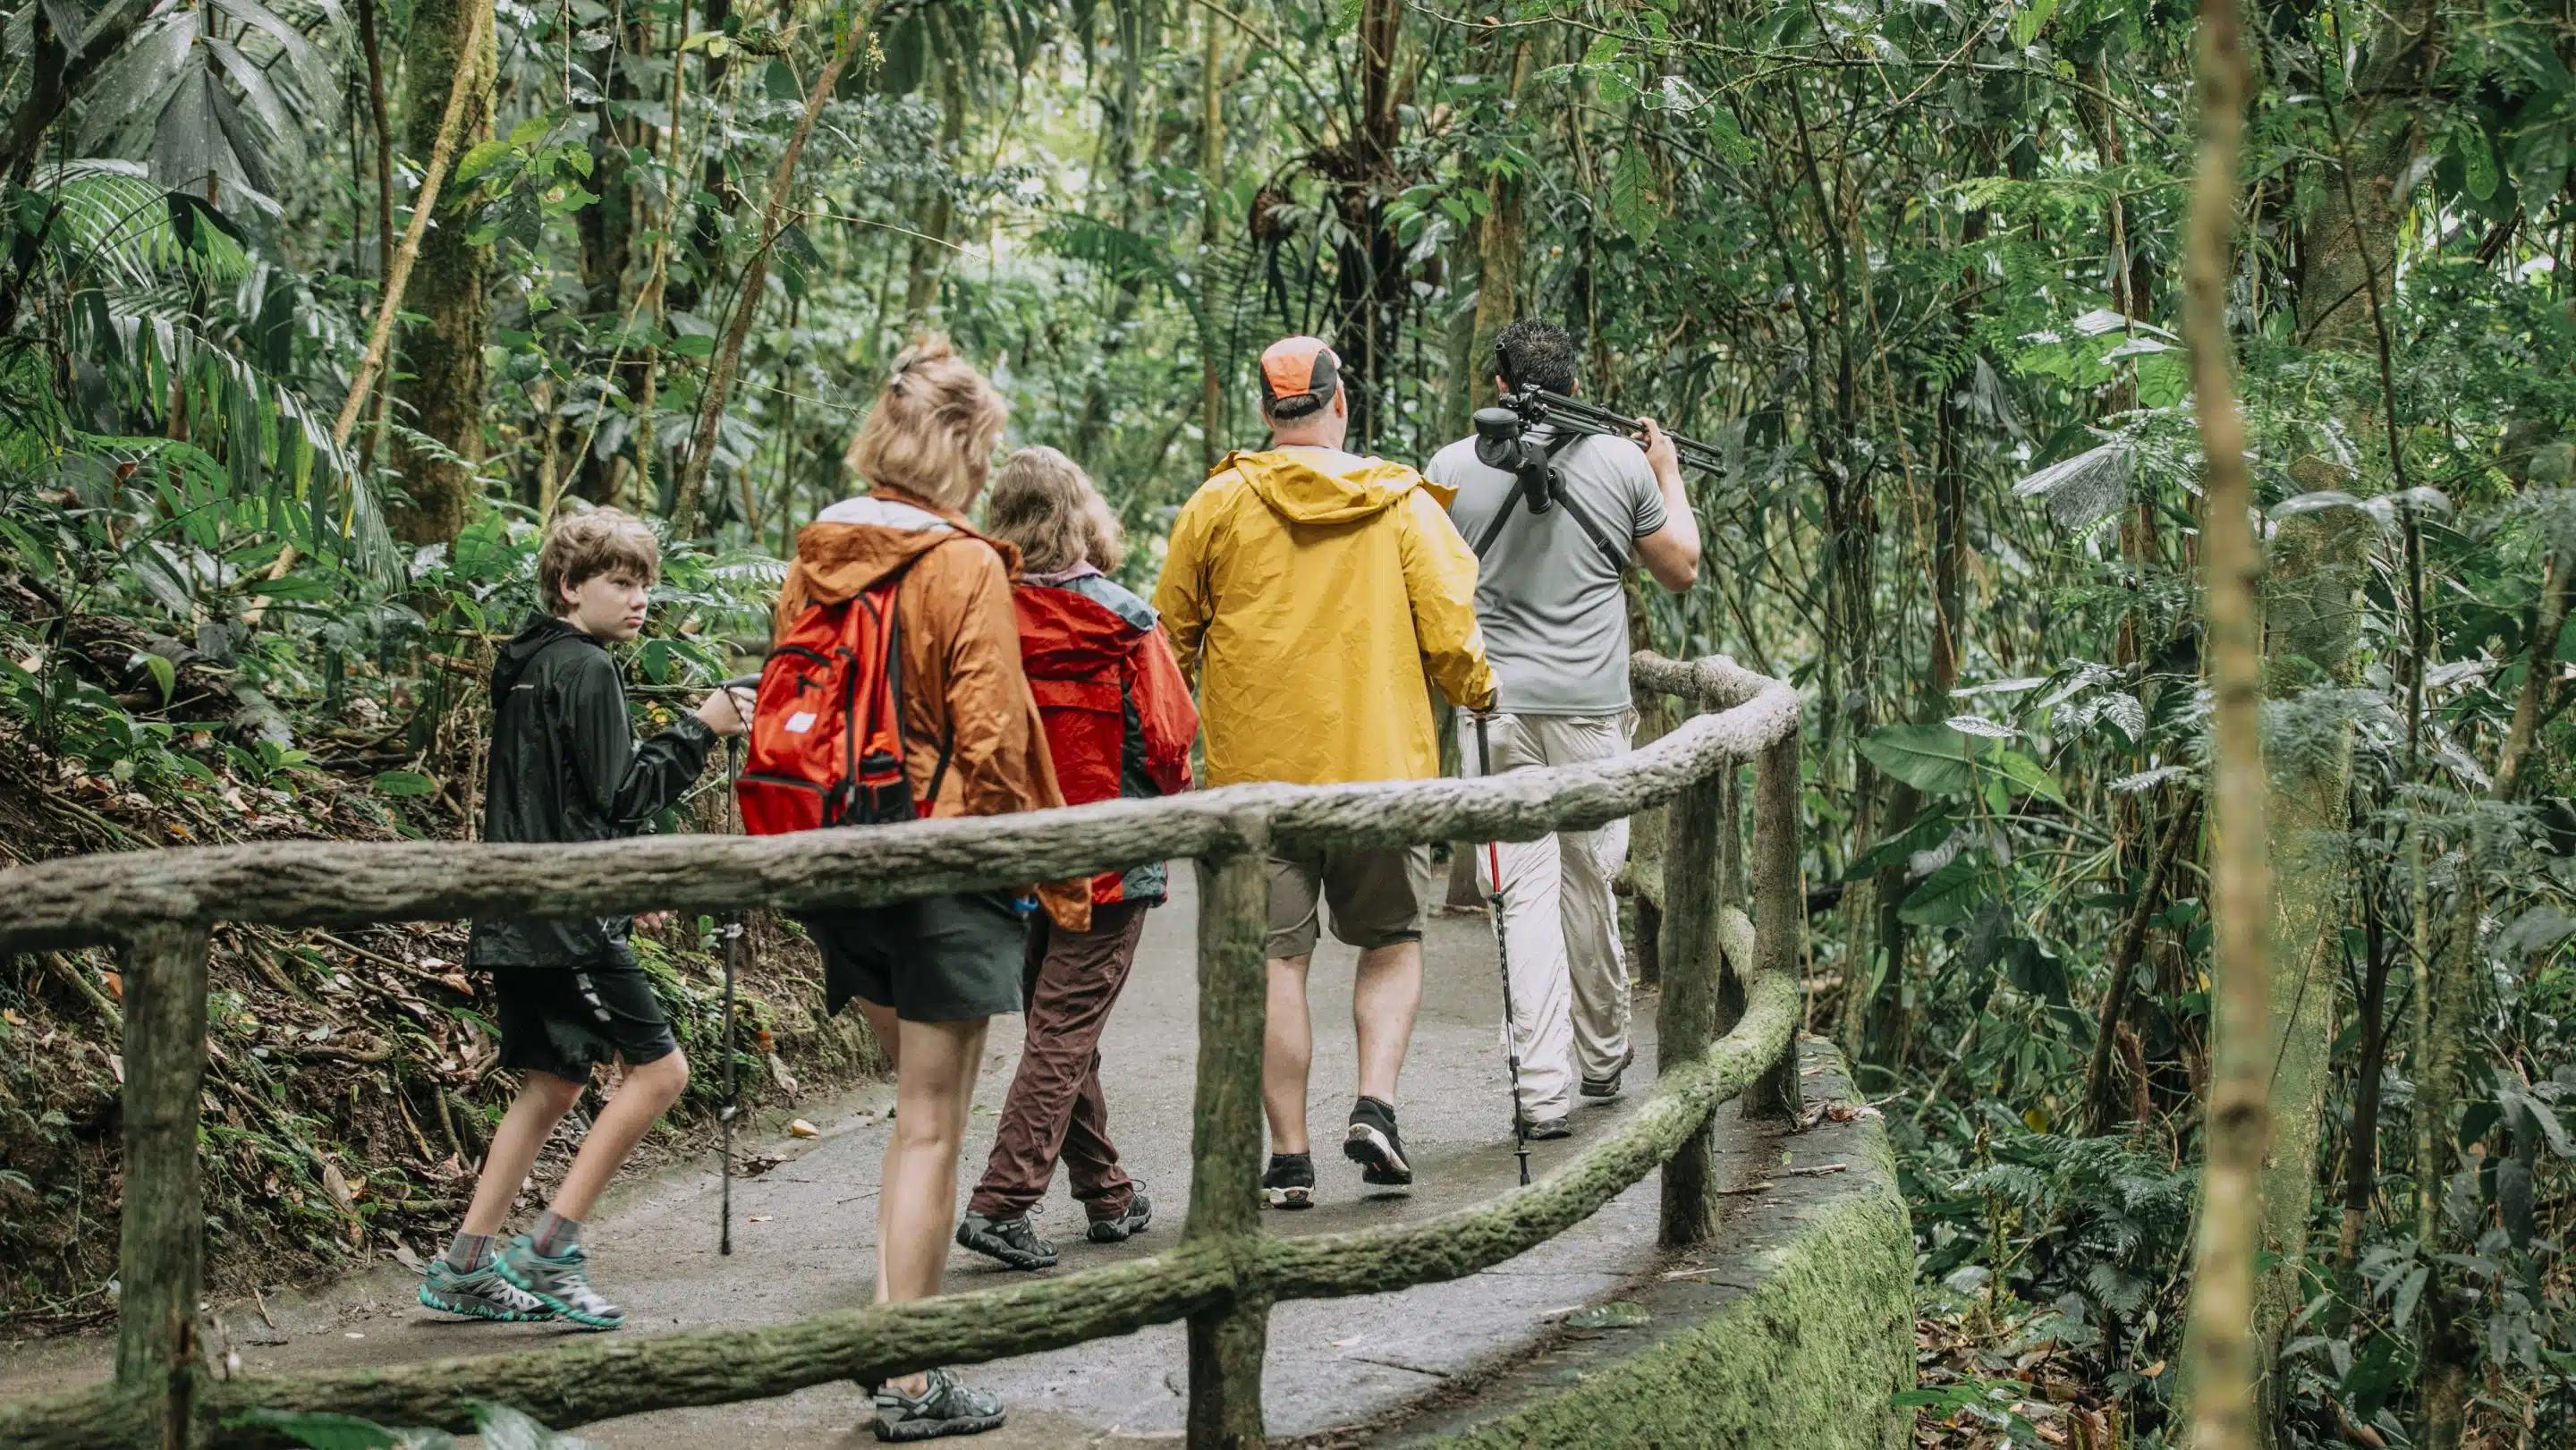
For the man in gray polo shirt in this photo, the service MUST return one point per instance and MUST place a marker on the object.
(1551, 597)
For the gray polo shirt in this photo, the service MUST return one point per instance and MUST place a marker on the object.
(1553, 608)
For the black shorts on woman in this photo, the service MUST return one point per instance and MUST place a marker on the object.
(947, 958)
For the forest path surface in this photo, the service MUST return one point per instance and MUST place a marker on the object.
(804, 1233)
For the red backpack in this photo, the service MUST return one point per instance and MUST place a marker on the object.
(827, 728)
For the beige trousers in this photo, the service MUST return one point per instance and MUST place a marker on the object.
(1570, 988)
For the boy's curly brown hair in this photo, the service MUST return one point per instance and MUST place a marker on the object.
(581, 547)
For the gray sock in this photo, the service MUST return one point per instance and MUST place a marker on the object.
(555, 1235)
(468, 1252)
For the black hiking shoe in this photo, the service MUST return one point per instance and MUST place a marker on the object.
(1290, 1183)
(1375, 1145)
(1119, 1228)
(1542, 1130)
(944, 1407)
(1014, 1241)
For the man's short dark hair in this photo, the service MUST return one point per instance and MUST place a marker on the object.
(1288, 410)
(1532, 352)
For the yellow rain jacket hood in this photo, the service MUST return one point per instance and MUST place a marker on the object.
(1308, 592)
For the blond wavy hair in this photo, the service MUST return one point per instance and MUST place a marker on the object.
(1046, 505)
(933, 429)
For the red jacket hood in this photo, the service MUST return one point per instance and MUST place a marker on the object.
(1068, 632)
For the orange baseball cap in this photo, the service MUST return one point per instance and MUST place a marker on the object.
(1299, 367)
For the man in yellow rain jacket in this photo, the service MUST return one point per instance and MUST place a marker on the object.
(1307, 591)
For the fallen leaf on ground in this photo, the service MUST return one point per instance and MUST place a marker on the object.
(409, 1260)
(762, 1217)
(803, 1129)
(337, 1185)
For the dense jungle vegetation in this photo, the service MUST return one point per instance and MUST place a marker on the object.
(310, 313)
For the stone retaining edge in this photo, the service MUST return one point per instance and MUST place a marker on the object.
(1791, 1332)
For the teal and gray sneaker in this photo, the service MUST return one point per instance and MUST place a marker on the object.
(944, 1407)
(560, 1283)
(479, 1293)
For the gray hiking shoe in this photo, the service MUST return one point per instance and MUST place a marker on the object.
(1605, 1088)
(944, 1407)
(559, 1282)
(480, 1294)
(1120, 1227)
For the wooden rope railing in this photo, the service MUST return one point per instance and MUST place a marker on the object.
(1225, 1273)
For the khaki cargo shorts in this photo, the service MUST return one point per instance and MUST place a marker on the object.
(1376, 897)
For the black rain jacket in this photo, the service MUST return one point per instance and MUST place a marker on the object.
(566, 766)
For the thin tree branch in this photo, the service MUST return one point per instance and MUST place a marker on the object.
(748, 297)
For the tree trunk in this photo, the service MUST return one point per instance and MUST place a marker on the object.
(2347, 251)
(939, 213)
(606, 228)
(691, 484)
(1211, 177)
(1369, 268)
(1499, 234)
(444, 355)
(2222, 1354)
(2311, 623)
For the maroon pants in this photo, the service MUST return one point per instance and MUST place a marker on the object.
(1055, 1108)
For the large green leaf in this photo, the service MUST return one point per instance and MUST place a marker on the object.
(1933, 759)
(1632, 198)
(2027, 773)
(1948, 896)
(323, 1430)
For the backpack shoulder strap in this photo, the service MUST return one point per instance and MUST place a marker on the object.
(894, 661)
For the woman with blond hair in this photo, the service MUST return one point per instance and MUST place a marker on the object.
(931, 973)
(1119, 722)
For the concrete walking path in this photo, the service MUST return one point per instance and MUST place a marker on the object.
(804, 1232)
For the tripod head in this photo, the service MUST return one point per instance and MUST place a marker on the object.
(1503, 441)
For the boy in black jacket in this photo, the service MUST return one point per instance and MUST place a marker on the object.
(565, 766)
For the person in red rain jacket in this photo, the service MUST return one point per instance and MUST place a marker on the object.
(1119, 722)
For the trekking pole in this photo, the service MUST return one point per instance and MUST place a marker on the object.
(1503, 954)
(732, 957)
(732, 962)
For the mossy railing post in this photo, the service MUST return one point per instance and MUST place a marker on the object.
(161, 1233)
(1228, 1341)
(1779, 910)
(1686, 1020)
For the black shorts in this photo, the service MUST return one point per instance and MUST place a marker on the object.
(564, 1021)
(935, 959)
